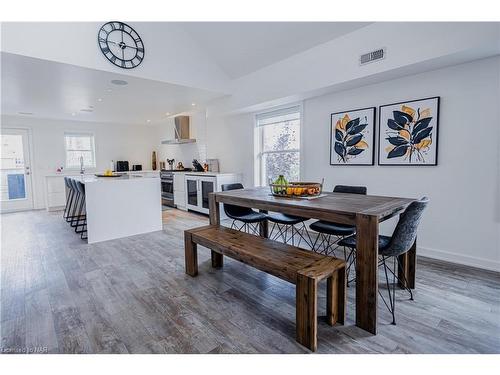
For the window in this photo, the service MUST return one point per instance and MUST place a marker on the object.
(278, 145)
(79, 145)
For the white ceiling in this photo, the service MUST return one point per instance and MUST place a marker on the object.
(55, 90)
(240, 48)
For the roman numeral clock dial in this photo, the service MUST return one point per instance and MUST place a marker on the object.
(121, 44)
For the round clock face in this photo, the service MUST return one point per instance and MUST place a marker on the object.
(121, 44)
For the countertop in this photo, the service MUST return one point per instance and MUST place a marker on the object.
(76, 173)
(126, 177)
(209, 174)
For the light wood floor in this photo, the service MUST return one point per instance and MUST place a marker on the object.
(131, 296)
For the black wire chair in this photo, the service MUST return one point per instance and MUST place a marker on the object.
(399, 243)
(288, 227)
(248, 218)
(330, 234)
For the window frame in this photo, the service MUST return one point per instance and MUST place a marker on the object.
(259, 139)
(92, 149)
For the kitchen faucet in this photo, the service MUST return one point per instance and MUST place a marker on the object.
(82, 168)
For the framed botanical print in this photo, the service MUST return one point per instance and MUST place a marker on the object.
(352, 137)
(408, 132)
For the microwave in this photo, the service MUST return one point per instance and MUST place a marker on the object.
(122, 166)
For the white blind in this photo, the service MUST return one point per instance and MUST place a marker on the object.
(280, 115)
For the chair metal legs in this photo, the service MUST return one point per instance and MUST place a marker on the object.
(391, 306)
(250, 228)
(69, 204)
(327, 244)
(75, 213)
(288, 234)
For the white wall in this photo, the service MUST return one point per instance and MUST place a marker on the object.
(462, 223)
(184, 153)
(230, 139)
(411, 48)
(112, 142)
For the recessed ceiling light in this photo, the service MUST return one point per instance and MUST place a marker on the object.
(99, 100)
(167, 114)
(73, 114)
(148, 120)
(193, 104)
(25, 113)
(119, 82)
(109, 90)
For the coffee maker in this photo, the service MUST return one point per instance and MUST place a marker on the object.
(170, 163)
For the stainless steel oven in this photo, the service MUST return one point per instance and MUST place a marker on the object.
(167, 188)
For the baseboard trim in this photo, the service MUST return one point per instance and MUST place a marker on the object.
(466, 260)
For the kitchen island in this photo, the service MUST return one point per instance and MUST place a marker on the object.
(122, 206)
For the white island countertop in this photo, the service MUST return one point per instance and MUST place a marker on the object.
(87, 178)
(122, 206)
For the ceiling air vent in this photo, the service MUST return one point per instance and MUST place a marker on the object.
(369, 57)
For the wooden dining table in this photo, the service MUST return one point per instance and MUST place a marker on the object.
(365, 212)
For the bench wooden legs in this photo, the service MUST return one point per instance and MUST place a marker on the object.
(307, 306)
(336, 297)
(190, 255)
(306, 311)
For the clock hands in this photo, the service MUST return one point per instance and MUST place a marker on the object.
(121, 45)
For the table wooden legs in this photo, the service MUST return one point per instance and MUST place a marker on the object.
(408, 262)
(366, 272)
(264, 226)
(214, 217)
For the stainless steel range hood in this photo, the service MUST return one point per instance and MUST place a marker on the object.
(181, 132)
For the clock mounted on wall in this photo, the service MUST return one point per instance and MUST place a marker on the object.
(121, 44)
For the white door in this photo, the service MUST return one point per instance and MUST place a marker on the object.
(15, 171)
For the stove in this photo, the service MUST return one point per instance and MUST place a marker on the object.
(167, 187)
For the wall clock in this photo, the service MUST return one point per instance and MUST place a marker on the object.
(121, 44)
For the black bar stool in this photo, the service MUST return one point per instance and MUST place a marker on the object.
(75, 210)
(81, 219)
(70, 195)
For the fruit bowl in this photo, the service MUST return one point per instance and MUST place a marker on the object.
(296, 189)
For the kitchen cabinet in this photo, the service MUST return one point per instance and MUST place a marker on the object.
(197, 190)
(55, 197)
(180, 191)
(199, 186)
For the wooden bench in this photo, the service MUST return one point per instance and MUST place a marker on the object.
(300, 267)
